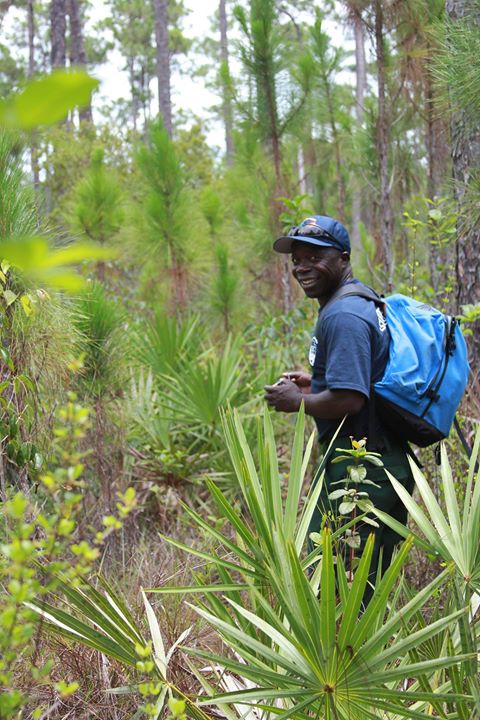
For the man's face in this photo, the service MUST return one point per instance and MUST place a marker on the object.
(318, 270)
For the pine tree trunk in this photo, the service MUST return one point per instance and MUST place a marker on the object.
(338, 159)
(465, 141)
(58, 27)
(77, 49)
(133, 92)
(302, 180)
(163, 63)
(386, 215)
(360, 88)
(441, 258)
(227, 110)
(31, 37)
(31, 72)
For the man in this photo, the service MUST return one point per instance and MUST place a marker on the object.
(348, 354)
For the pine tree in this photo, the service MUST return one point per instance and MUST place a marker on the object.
(131, 23)
(459, 69)
(160, 8)
(167, 213)
(226, 83)
(58, 29)
(78, 55)
(98, 211)
(265, 52)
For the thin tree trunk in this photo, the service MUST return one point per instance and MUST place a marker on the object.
(131, 79)
(31, 37)
(227, 110)
(163, 63)
(302, 180)
(100, 451)
(58, 27)
(77, 50)
(31, 72)
(338, 159)
(267, 87)
(386, 215)
(436, 137)
(360, 88)
(465, 140)
(179, 283)
(441, 257)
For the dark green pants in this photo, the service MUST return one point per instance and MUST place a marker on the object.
(384, 498)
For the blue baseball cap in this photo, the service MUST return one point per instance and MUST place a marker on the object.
(318, 230)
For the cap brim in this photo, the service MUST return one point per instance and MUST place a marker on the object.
(284, 244)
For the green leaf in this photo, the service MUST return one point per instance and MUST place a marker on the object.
(26, 304)
(47, 100)
(346, 508)
(29, 384)
(435, 214)
(9, 296)
(158, 646)
(337, 494)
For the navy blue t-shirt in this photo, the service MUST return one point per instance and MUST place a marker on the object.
(349, 351)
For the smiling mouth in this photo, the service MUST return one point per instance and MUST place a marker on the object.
(308, 282)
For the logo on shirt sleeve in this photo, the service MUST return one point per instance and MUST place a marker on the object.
(382, 323)
(313, 351)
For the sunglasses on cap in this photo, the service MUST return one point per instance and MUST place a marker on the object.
(314, 231)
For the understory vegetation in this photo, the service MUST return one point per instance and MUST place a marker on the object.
(154, 552)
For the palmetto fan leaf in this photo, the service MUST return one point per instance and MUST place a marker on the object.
(101, 620)
(453, 535)
(311, 654)
(165, 345)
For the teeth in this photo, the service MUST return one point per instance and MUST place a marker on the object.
(307, 283)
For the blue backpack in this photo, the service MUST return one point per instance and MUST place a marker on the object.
(427, 369)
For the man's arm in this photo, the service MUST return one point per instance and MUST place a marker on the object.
(328, 404)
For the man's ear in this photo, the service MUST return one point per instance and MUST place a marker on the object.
(346, 256)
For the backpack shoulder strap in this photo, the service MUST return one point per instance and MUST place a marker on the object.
(359, 290)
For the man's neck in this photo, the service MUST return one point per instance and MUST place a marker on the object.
(346, 277)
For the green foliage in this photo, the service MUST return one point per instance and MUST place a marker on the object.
(165, 345)
(456, 65)
(280, 90)
(225, 288)
(211, 204)
(47, 100)
(197, 232)
(17, 208)
(166, 203)
(304, 642)
(98, 210)
(174, 224)
(102, 620)
(100, 323)
(298, 208)
(39, 538)
(20, 241)
(453, 536)
(195, 155)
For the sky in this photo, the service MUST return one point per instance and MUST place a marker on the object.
(188, 94)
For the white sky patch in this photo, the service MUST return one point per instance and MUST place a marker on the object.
(190, 95)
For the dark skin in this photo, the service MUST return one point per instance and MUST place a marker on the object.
(319, 271)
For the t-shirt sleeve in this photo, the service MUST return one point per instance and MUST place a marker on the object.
(348, 354)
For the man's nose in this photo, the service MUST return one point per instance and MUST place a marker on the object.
(303, 264)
